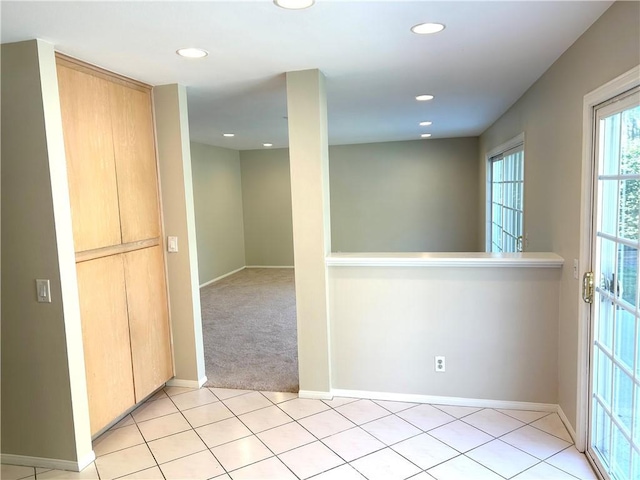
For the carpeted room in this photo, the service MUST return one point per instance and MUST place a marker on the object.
(244, 230)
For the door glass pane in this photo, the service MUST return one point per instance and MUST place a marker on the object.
(628, 212)
(629, 157)
(605, 323)
(610, 145)
(603, 388)
(609, 202)
(621, 464)
(623, 398)
(626, 283)
(625, 335)
(602, 430)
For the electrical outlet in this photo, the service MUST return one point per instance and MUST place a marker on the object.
(440, 366)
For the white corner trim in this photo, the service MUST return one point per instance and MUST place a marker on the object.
(269, 266)
(314, 395)
(221, 277)
(177, 382)
(569, 427)
(438, 400)
(53, 463)
(435, 259)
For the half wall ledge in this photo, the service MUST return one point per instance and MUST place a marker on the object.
(442, 259)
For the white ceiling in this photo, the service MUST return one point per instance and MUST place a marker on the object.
(485, 59)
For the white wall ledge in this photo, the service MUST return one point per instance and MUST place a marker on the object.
(441, 259)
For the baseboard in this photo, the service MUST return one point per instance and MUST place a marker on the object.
(269, 266)
(569, 427)
(314, 395)
(52, 463)
(177, 382)
(438, 400)
(221, 277)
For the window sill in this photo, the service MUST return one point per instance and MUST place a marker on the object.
(437, 259)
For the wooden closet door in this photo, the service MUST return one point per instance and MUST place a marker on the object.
(148, 320)
(105, 336)
(86, 121)
(135, 156)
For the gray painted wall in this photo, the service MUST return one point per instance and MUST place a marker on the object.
(266, 198)
(550, 115)
(217, 190)
(416, 196)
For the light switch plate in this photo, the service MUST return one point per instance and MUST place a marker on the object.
(43, 291)
(172, 244)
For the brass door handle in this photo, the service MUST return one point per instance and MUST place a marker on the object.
(587, 287)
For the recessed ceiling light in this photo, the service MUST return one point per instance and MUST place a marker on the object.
(192, 52)
(267, 144)
(425, 124)
(427, 28)
(228, 134)
(294, 4)
(425, 135)
(424, 98)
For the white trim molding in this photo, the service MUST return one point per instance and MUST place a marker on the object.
(315, 395)
(615, 87)
(221, 277)
(438, 400)
(436, 259)
(52, 463)
(567, 425)
(177, 382)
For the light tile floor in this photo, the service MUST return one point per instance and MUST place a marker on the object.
(186, 434)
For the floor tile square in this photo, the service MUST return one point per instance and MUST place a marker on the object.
(225, 431)
(175, 446)
(395, 407)
(157, 396)
(241, 453)
(310, 460)
(285, 438)
(270, 469)
(125, 422)
(343, 472)
(326, 423)
(151, 410)
(502, 458)
(247, 403)
(544, 471)
(535, 442)
(152, 473)
(225, 393)
(302, 407)
(425, 417)
(362, 411)
(525, 416)
(553, 425)
(460, 436)
(385, 465)
(264, 419)
(391, 429)
(352, 444)
(15, 472)
(462, 467)
(493, 422)
(171, 391)
(89, 473)
(213, 412)
(163, 426)
(425, 451)
(117, 439)
(201, 465)
(339, 401)
(572, 461)
(456, 410)
(123, 462)
(279, 397)
(195, 398)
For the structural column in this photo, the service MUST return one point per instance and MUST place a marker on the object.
(174, 158)
(309, 164)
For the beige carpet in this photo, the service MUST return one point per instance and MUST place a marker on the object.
(249, 329)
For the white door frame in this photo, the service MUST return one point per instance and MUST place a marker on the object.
(615, 87)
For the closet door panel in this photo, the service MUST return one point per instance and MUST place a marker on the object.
(134, 146)
(86, 120)
(148, 320)
(105, 335)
